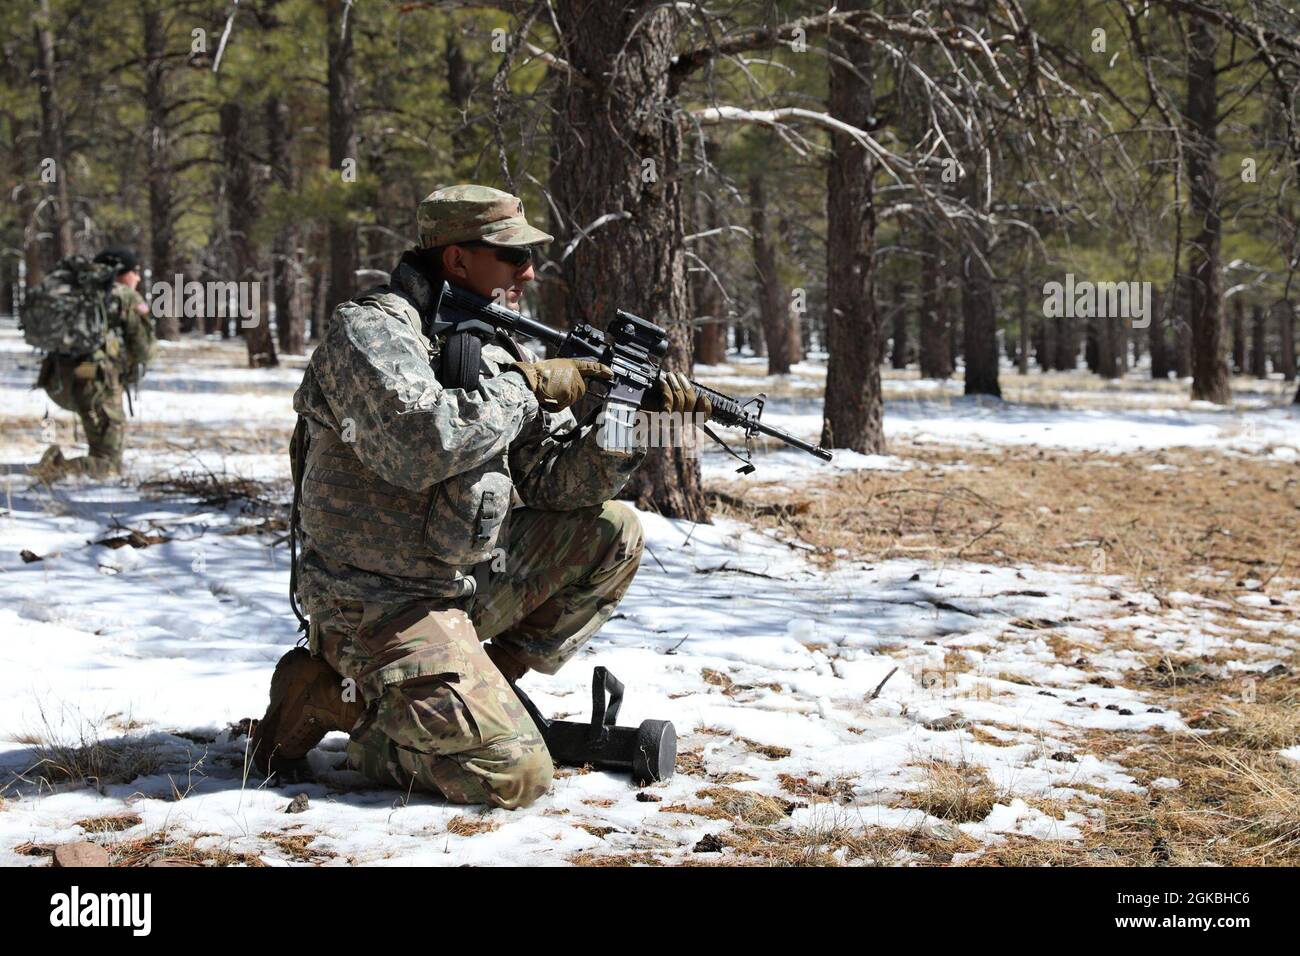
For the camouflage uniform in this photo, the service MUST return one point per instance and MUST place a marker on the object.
(405, 510)
(92, 386)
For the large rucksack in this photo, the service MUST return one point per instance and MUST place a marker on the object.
(67, 313)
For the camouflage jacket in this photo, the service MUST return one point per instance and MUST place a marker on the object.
(130, 332)
(407, 485)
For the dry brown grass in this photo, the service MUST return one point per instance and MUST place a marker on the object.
(595, 858)
(1266, 727)
(470, 826)
(728, 803)
(833, 836)
(959, 793)
(1238, 802)
(297, 846)
(113, 823)
(176, 850)
(1090, 511)
(835, 788)
(87, 759)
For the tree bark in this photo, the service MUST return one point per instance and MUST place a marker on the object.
(979, 316)
(1045, 345)
(1209, 361)
(772, 305)
(158, 158)
(618, 154)
(1258, 342)
(52, 141)
(1108, 354)
(706, 298)
(1067, 344)
(1022, 359)
(853, 410)
(242, 208)
(289, 318)
(342, 145)
(935, 351)
(1092, 344)
(1238, 335)
(901, 352)
(1156, 337)
(1285, 313)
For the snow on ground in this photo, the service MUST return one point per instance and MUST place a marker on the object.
(180, 638)
(771, 668)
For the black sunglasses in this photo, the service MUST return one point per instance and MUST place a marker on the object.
(513, 255)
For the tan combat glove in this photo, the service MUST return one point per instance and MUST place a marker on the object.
(559, 383)
(675, 393)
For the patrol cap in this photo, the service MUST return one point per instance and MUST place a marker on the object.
(467, 212)
(123, 259)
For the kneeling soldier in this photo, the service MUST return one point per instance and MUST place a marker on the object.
(405, 486)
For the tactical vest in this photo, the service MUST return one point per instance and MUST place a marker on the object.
(351, 515)
(348, 513)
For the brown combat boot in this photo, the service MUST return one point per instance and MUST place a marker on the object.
(307, 702)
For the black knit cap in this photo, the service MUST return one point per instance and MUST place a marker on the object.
(124, 259)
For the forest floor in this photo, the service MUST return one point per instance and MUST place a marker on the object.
(1059, 628)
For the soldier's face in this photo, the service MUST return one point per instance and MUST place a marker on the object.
(482, 269)
(129, 279)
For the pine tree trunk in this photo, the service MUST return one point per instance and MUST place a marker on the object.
(1067, 344)
(289, 320)
(52, 141)
(706, 297)
(979, 317)
(1182, 330)
(1022, 359)
(1238, 335)
(242, 207)
(1108, 346)
(772, 310)
(1182, 349)
(342, 145)
(1286, 338)
(1156, 337)
(1121, 344)
(935, 351)
(1258, 342)
(1045, 345)
(1208, 339)
(956, 326)
(158, 161)
(22, 161)
(901, 347)
(605, 133)
(853, 410)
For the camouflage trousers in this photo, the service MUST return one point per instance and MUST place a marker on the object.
(440, 716)
(94, 391)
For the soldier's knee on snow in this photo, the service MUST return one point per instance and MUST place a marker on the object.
(526, 778)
